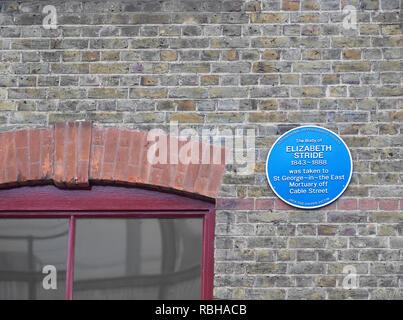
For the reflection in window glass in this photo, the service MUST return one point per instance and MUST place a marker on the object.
(138, 259)
(26, 246)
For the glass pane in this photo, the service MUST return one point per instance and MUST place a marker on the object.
(138, 259)
(26, 247)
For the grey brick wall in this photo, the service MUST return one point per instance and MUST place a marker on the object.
(268, 65)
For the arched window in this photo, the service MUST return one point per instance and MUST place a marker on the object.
(107, 242)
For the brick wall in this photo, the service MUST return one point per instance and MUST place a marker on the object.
(268, 65)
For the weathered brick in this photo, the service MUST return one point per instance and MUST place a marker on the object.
(290, 5)
(31, 93)
(225, 117)
(187, 118)
(368, 204)
(228, 92)
(352, 54)
(266, 117)
(352, 67)
(192, 93)
(273, 42)
(388, 204)
(107, 93)
(69, 68)
(209, 80)
(150, 93)
(268, 18)
(110, 68)
(349, 42)
(315, 66)
(168, 55)
(190, 68)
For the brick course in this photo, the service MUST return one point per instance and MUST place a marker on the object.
(269, 65)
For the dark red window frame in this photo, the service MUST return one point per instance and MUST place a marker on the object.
(112, 202)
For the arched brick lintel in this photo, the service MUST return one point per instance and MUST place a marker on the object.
(76, 154)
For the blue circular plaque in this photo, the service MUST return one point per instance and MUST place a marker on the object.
(309, 167)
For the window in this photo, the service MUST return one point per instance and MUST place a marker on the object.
(138, 259)
(26, 246)
(142, 245)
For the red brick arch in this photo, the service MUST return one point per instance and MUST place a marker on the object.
(77, 154)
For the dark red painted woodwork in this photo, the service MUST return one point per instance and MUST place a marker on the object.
(99, 198)
(208, 256)
(70, 259)
(111, 202)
